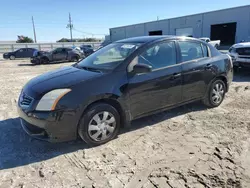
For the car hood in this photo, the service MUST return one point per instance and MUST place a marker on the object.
(8, 53)
(61, 78)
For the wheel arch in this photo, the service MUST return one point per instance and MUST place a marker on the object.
(114, 102)
(224, 79)
(75, 55)
(219, 77)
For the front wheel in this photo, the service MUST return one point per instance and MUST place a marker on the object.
(45, 61)
(99, 124)
(75, 59)
(12, 57)
(216, 94)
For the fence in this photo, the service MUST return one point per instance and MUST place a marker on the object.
(44, 46)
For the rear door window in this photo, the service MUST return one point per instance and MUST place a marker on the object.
(190, 50)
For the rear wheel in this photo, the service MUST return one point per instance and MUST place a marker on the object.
(216, 94)
(12, 57)
(216, 46)
(99, 124)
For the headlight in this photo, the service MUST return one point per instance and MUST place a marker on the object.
(50, 99)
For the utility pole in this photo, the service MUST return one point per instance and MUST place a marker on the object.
(34, 29)
(70, 26)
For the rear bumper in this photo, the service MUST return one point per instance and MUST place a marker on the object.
(48, 126)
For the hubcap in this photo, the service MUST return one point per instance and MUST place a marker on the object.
(218, 93)
(102, 126)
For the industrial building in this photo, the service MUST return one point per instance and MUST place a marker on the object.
(228, 25)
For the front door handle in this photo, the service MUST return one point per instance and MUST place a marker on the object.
(175, 76)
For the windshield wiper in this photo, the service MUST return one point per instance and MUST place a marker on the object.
(92, 69)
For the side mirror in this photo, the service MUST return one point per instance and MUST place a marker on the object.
(142, 68)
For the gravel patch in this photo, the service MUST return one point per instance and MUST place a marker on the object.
(190, 146)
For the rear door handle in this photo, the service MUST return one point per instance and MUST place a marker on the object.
(208, 66)
(175, 76)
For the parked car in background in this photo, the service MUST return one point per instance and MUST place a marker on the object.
(214, 43)
(87, 49)
(20, 53)
(58, 54)
(240, 54)
(77, 48)
(121, 82)
(104, 43)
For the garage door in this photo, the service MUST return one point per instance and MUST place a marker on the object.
(184, 32)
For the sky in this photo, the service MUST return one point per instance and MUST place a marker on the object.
(93, 17)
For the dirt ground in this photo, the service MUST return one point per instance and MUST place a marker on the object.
(190, 146)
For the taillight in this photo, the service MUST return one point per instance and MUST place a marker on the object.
(230, 59)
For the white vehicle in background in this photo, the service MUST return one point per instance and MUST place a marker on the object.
(240, 54)
(215, 43)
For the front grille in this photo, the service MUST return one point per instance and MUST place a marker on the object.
(25, 100)
(245, 57)
(243, 51)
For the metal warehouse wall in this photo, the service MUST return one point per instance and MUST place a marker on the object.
(201, 24)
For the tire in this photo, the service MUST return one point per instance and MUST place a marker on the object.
(215, 94)
(12, 57)
(75, 58)
(92, 131)
(216, 46)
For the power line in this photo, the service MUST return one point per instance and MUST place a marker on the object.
(87, 32)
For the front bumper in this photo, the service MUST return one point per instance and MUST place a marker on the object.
(242, 62)
(35, 61)
(6, 56)
(48, 126)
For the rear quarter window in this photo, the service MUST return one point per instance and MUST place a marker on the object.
(213, 50)
(205, 50)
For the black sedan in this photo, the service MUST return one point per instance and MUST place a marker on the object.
(121, 82)
(20, 53)
(56, 55)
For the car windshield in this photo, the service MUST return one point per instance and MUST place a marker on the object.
(109, 56)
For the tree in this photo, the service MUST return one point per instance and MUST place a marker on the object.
(24, 39)
(79, 40)
(89, 40)
(63, 40)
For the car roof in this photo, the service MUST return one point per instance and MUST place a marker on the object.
(64, 48)
(147, 39)
(25, 48)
